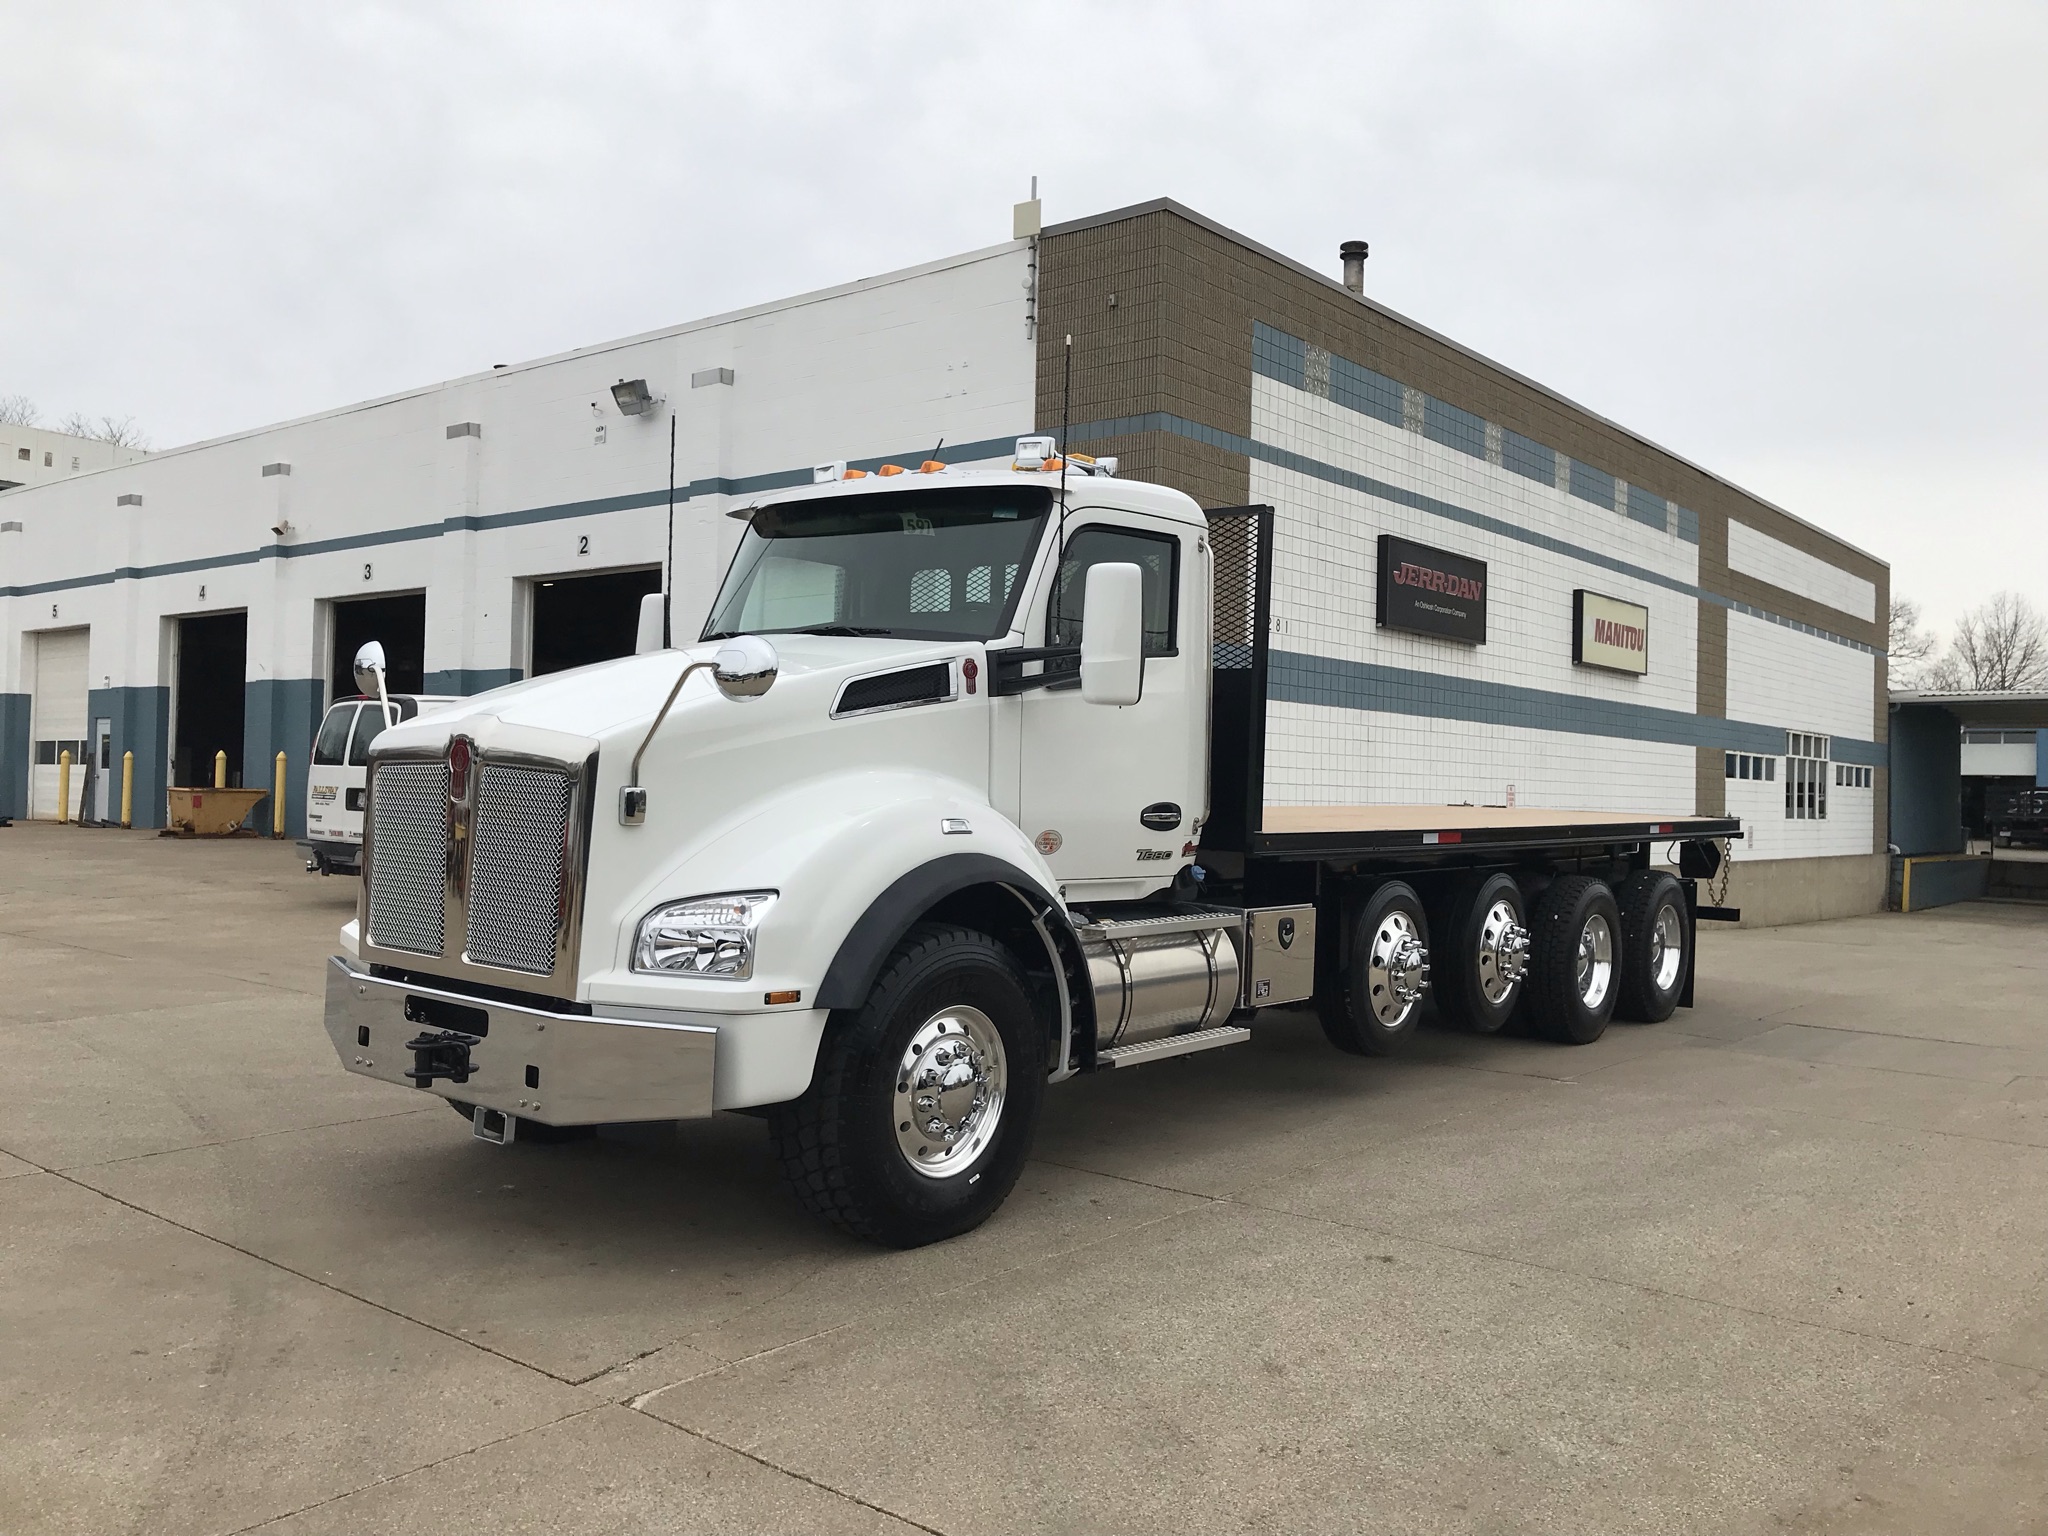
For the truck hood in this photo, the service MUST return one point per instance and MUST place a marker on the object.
(613, 699)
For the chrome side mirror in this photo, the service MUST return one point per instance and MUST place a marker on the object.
(745, 667)
(370, 669)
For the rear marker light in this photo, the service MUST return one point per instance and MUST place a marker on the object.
(1430, 838)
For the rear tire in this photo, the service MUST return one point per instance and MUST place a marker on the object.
(1574, 960)
(925, 1100)
(1481, 955)
(1372, 1008)
(1656, 947)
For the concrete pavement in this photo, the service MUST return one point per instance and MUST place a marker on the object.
(1776, 1265)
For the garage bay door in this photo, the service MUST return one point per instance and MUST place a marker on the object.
(58, 718)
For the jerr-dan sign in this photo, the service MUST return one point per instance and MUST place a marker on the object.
(1431, 591)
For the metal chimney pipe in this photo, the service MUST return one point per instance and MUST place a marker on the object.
(1354, 254)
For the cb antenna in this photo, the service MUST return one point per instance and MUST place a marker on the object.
(1066, 426)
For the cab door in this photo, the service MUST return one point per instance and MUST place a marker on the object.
(1112, 794)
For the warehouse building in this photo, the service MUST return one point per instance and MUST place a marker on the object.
(1531, 604)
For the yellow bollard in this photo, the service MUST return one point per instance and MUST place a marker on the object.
(64, 785)
(127, 789)
(277, 801)
(220, 770)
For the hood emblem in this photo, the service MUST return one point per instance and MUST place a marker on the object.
(461, 758)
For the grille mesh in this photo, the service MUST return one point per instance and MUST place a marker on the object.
(515, 867)
(408, 856)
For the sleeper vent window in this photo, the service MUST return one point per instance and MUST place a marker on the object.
(893, 690)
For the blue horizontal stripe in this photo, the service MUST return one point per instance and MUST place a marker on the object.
(1295, 678)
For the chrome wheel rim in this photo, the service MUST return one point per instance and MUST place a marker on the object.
(1667, 948)
(949, 1092)
(1396, 969)
(1503, 953)
(1595, 962)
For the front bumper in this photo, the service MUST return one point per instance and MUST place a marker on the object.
(557, 1068)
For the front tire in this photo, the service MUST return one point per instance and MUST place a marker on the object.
(1574, 960)
(921, 1112)
(1372, 1009)
(1656, 947)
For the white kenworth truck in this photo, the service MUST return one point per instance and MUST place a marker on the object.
(959, 795)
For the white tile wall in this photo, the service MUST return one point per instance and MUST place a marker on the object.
(1320, 755)
(1757, 554)
(1798, 682)
(1324, 601)
(1850, 826)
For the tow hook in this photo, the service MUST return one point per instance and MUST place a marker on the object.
(443, 1054)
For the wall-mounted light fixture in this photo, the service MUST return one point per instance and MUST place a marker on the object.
(633, 398)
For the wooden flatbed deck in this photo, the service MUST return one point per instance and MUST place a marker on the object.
(1404, 828)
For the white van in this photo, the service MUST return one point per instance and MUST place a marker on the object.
(334, 783)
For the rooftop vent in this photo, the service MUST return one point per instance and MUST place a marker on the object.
(1354, 254)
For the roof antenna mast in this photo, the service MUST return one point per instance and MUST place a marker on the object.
(1059, 569)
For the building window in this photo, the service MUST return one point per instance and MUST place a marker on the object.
(1747, 765)
(1806, 777)
(74, 463)
(21, 453)
(49, 459)
(1849, 776)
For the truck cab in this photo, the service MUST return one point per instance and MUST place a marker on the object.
(957, 795)
(338, 775)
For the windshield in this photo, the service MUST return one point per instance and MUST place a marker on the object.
(939, 564)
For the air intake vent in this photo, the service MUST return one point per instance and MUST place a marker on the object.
(894, 690)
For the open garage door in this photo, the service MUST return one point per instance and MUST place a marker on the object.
(58, 719)
(581, 619)
(398, 623)
(213, 665)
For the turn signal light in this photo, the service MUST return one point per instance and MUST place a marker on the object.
(781, 997)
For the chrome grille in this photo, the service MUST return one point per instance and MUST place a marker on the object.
(408, 856)
(516, 848)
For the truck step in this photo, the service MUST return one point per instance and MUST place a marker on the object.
(1172, 1045)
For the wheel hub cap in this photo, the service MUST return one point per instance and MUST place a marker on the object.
(1503, 952)
(1398, 968)
(1595, 968)
(949, 1091)
(1667, 948)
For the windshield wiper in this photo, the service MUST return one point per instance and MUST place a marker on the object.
(839, 630)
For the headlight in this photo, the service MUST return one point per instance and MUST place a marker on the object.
(704, 936)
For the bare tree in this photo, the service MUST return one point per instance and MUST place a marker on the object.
(2000, 646)
(1910, 648)
(121, 431)
(18, 411)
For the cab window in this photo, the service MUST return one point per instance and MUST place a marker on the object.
(332, 743)
(1155, 555)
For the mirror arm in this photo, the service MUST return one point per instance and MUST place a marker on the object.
(633, 778)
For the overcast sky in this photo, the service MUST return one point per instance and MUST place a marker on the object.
(1799, 244)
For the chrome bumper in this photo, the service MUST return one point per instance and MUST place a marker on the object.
(557, 1068)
